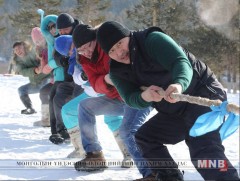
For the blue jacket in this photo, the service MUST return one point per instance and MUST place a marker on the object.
(58, 72)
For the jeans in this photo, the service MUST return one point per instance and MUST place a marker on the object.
(132, 120)
(31, 88)
(70, 115)
(36, 88)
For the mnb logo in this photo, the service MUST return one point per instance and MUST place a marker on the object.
(219, 164)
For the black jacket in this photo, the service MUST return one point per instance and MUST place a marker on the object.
(144, 72)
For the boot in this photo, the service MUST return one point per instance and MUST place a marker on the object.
(28, 104)
(45, 121)
(150, 177)
(64, 134)
(76, 140)
(127, 160)
(172, 174)
(94, 161)
(28, 111)
(56, 139)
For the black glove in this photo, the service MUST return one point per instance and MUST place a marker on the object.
(84, 76)
(60, 60)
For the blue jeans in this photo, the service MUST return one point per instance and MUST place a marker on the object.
(132, 120)
(43, 88)
(70, 114)
(31, 88)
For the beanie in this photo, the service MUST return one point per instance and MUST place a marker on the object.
(37, 36)
(83, 34)
(63, 44)
(64, 20)
(109, 33)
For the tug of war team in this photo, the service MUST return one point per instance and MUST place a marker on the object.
(81, 72)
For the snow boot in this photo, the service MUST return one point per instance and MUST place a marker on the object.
(172, 174)
(56, 139)
(150, 177)
(76, 140)
(28, 111)
(127, 159)
(94, 161)
(28, 104)
(45, 121)
(64, 134)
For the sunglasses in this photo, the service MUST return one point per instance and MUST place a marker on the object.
(50, 27)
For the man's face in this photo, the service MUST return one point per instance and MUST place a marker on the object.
(19, 50)
(65, 31)
(87, 49)
(120, 51)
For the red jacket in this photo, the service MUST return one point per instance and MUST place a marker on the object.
(96, 73)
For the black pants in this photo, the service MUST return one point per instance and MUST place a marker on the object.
(64, 93)
(51, 108)
(170, 129)
(44, 93)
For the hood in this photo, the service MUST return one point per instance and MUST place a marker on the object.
(63, 44)
(44, 23)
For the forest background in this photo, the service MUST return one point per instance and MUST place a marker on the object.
(207, 28)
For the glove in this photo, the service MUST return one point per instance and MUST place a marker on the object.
(64, 61)
(61, 61)
(84, 76)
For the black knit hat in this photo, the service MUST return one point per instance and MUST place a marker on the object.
(109, 33)
(64, 20)
(83, 34)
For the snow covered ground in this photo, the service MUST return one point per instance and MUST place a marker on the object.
(27, 154)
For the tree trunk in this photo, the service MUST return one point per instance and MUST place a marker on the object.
(154, 15)
(229, 86)
(234, 80)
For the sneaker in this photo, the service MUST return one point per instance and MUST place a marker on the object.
(56, 139)
(173, 174)
(94, 161)
(28, 111)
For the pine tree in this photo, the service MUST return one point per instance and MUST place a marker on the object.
(27, 17)
(180, 20)
(2, 29)
(91, 11)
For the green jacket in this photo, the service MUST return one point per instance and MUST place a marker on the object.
(156, 59)
(26, 65)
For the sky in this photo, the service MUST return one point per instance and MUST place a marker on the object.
(27, 154)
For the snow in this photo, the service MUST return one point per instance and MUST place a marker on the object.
(27, 154)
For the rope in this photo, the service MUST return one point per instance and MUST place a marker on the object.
(200, 101)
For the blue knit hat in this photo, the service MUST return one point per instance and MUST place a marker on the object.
(63, 44)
